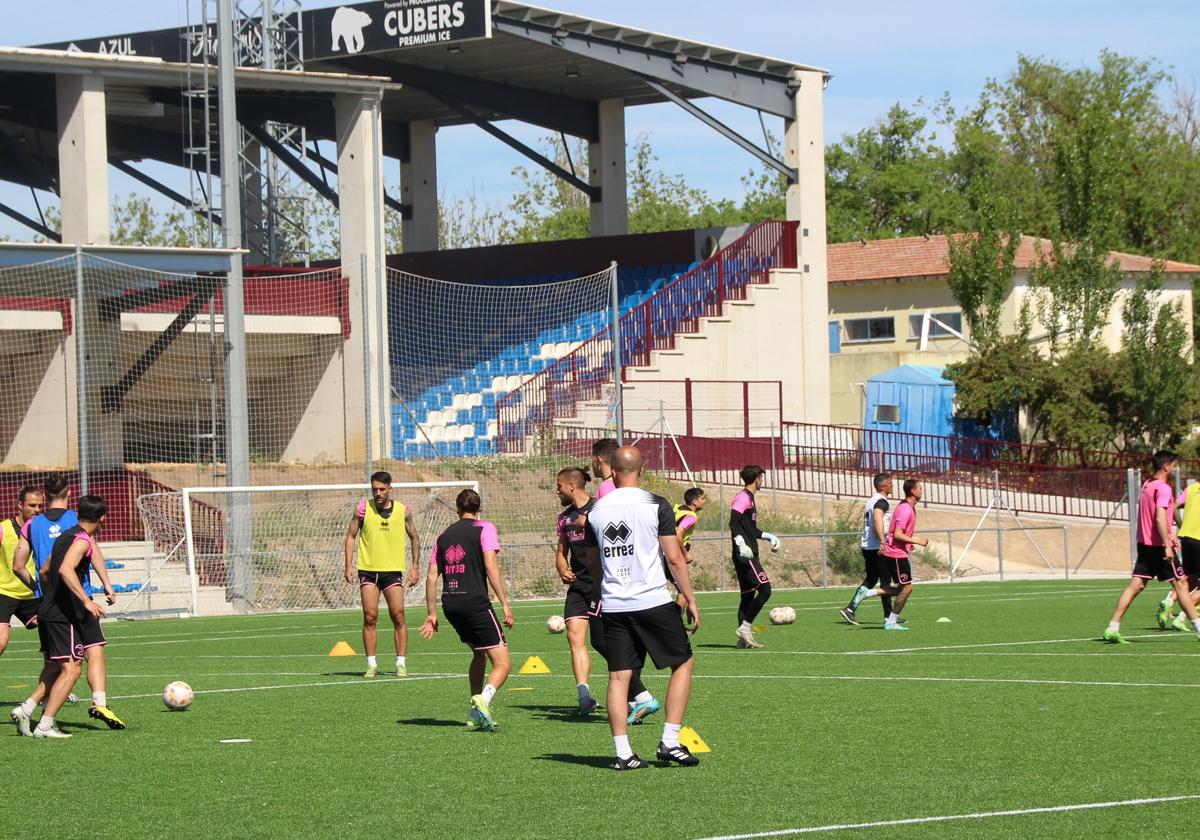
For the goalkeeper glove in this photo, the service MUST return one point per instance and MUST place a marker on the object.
(744, 551)
(772, 539)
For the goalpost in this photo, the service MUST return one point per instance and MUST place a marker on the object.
(289, 559)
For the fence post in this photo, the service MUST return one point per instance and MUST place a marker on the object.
(746, 408)
(1132, 491)
(366, 342)
(81, 373)
(774, 477)
(618, 373)
(687, 402)
(824, 542)
(662, 437)
(950, 552)
(1066, 556)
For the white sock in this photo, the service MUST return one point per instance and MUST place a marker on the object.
(99, 698)
(670, 736)
(489, 692)
(871, 593)
(371, 663)
(1165, 602)
(28, 706)
(745, 625)
(1114, 626)
(893, 618)
(584, 691)
(46, 722)
(643, 697)
(400, 663)
(621, 742)
(1196, 624)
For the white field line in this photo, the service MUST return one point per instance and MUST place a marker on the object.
(359, 681)
(980, 815)
(964, 680)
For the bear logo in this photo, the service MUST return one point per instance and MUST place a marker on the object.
(348, 25)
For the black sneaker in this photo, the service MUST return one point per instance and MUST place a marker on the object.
(680, 755)
(631, 763)
(848, 614)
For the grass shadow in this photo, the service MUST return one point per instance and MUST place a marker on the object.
(597, 761)
(565, 714)
(432, 722)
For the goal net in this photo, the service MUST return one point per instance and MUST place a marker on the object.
(221, 550)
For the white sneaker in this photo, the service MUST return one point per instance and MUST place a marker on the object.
(746, 637)
(22, 721)
(52, 732)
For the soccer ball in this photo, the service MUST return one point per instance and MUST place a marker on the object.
(177, 696)
(782, 615)
(555, 624)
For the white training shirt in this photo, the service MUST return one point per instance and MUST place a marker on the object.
(626, 525)
(870, 539)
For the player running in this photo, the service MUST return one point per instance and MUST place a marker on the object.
(876, 519)
(629, 532)
(745, 533)
(65, 609)
(465, 556)
(582, 608)
(15, 597)
(1189, 544)
(1156, 546)
(38, 537)
(897, 549)
(382, 556)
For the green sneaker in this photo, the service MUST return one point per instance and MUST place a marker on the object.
(372, 672)
(1181, 623)
(1114, 637)
(486, 722)
(474, 720)
(401, 670)
(1164, 615)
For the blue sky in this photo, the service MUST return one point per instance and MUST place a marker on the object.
(879, 52)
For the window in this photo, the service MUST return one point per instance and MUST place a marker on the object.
(887, 413)
(870, 329)
(936, 330)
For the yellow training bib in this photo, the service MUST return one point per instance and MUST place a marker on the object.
(9, 584)
(382, 543)
(1191, 513)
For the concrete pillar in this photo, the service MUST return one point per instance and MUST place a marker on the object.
(606, 164)
(804, 141)
(418, 188)
(360, 191)
(254, 214)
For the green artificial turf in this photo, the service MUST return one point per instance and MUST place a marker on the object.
(829, 724)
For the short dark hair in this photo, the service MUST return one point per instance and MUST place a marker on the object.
(91, 508)
(382, 477)
(692, 495)
(750, 472)
(580, 475)
(27, 490)
(909, 484)
(468, 501)
(881, 479)
(55, 486)
(1161, 458)
(604, 449)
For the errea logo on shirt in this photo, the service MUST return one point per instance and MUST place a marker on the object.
(616, 532)
(616, 541)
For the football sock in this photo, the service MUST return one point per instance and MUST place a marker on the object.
(1196, 624)
(643, 697)
(371, 663)
(28, 706)
(893, 618)
(1165, 602)
(99, 698)
(1114, 626)
(872, 593)
(887, 604)
(670, 736)
(489, 691)
(400, 662)
(46, 722)
(745, 625)
(584, 691)
(621, 742)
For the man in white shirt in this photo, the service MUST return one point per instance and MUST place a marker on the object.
(630, 530)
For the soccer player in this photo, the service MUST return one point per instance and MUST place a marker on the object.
(1189, 544)
(745, 533)
(15, 597)
(38, 536)
(1156, 546)
(602, 452)
(686, 517)
(65, 608)
(583, 608)
(897, 548)
(876, 519)
(382, 555)
(465, 557)
(629, 532)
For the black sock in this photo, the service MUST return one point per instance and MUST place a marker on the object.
(753, 602)
(887, 605)
(636, 686)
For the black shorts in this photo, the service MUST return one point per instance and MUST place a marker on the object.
(1191, 556)
(478, 629)
(875, 565)
(750, 574)
(896, 569)
(61, 640)
(1156, 561)
(91, 632)
(380, 580)
(24, 609)
(583, 602)
(658, 631)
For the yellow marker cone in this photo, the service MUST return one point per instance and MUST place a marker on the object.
(758, 629)
(534, 665)
(694, 743)
(521, 688)
(342, 649)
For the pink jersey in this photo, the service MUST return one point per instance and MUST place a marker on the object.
(904, 519)
(606, 487)
(1156, 494)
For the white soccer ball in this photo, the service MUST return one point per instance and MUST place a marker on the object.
(177, 696)
(782, 615)
(555, 624)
